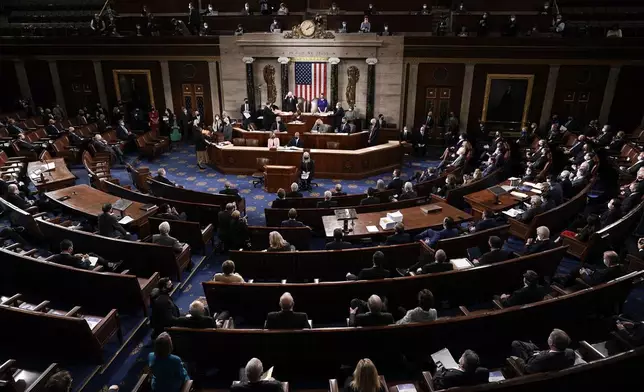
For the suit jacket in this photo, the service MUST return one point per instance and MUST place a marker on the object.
(630, 202)
(337, 118)
(260, 386)
(525, 295)
(603, 275)
(294, 194)
(421, 138)
(556, 193)
(224, 219)
(230, 192)
(373, 273)
(337, 245)
(52, 130)
(495, 256)
(18, 201)
(539, 246)
(326, 204)
(280, 128)
(292, 223)
(566, 187)
(287, 320)
(396, 183)
(122, 132)
(242, 109)
(402, 238)
(295, 143)
(373, 134)
(546, 361)
(163, 180)
(530, 213)
(196, 322)
(371, 319)
(369, 200)
(338, 193)
(429, 122)
(14, 130)
(70, 261)
(346, 128)
(609, 217)
(485, 224)
(449, 378)
(279, 203)
(195, 17)
(166, 240)
(308, 167)
(408, 195)
(434, 267)
(290, 104)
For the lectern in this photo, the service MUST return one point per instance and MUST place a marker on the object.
(279, 176)
(345, 215)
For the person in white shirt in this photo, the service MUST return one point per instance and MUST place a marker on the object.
(424, 312)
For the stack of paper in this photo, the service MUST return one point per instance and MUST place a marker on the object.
(372, 229)
(125, 220)
(519, 195)
(395, 216)
(461, 263)
(532, 184)
(386, 223)
(513, 212)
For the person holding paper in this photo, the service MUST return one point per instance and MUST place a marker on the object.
(109, 226)
(81, 261)
(468, 373)
(254, 381)
(307, 170)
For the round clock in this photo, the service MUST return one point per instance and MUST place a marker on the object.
(308, 28)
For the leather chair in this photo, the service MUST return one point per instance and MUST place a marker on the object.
(260, 174)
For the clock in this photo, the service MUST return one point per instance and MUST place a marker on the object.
(308, 28)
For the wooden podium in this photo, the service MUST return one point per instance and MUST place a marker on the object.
(279, 176)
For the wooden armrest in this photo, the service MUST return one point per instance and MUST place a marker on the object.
(229, 324)
(73, 312)
(11, 363)
(29, 252)
(12, 246)
(32, 210)
(38, 215)
(581, 282)
(283, 281)
(187, 386)
(333, 385)
(464, 310)
(125, 272)
(558, 289)
(497, 303)
(98, 268)
(589, 353)
(41, 306)
(428, 380)
(12, 299)
(514, 365)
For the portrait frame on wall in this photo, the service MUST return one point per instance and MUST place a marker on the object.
(121, 75)
(507, 98)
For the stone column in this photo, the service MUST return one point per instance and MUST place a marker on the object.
(333, 99)
(55, 81)
(609, 93)
(548, 99)
(466, 96)
(214, 86)
(371, 87)
(100, 85)
(250, 84)
(23, 80)
(284, 78)
(167, 84)
(411, 95)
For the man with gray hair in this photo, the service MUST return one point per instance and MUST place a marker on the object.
(197, 317)
(251, 380)
(278, 125)
(541, 244)
(557, 357)
(375, 316)
(161, 177)
(338, 190)
(468, 373)
(327, 202)
(164, 238)
(286, 318)
(536, 208)
(14, 197)
(294, 191)
(408, 192)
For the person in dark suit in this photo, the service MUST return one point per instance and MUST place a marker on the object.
(290, 103)
(165, 312)
(14, 197)
(295, 141)
(529, 293)
(370, 199)
(488, 221)
(292, 220)
(577, 146)
(556, 190)
(164, 238)
(287, 318)
(278, 125)
(327, 202)
(612, 214)
(612, 269)
(123, 133)
(81, 261)
(345, 127)
(229, 190)
(245, 108)
(431, 237)
(375, 272)
(541, 244)
(496, 254)
(101, 145)
(557, 357)
(51, 129)
(604, 137)
(408, 192)
(399, 236)
(294, 191)
(161, 177)
(24, 145)
(13, 129)
(566, 184)
(547, 203)
(535, 209)
(338, 191)
(374, 129)
(170, 213)
(632, 169)
(239, 233)
(307, 170)
(374, 317)
(421, 140)
(194, 19)
(338, 116)
(468, 373)
(280, 201)
(253, 373)
(338, 243)
(196, 318)
(109, 226)
(632, 198)
(223, 219)
(184, 123)
(396, 182)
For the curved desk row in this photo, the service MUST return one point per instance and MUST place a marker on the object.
(341, 164)
(345, 141)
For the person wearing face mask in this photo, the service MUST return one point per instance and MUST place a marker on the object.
(343, 28)
(482, 27)
(165, 312)
(345, 127)
(210, 11)
(385, 31)
(558, 25)
(123, 133)
(290, 102)
(227, 130)
(218, 124)
(307, 170)
(338, 115)
(610, 269)
(424, 10)
(184, 123)
(194, 19)
(511, 28)
(405, 135)
(278, 125)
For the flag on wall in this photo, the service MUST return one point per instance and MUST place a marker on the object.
(310, 79)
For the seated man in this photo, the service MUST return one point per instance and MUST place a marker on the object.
(374, 317)
(535, 209)
(170, 213)
(101, 145)
(228, 274)
(431, 237)
(338, 242)
(327, 202)
(375, 272)
(488, 221)
(161, 177)
(278, 125)
(632, 169)
(51, 129)
(280, 202)
(254, 382)
(423, 312)
(529, 293)
(82, 261)
(370, 199)
(632, 197)
(123, 133)
(612, 269)
(440, 264)
(14, 197)
(469, 372)
(224, 219)
(286, 318)
(428, 175)
(396, 182)
(557, 357)
(399, 236)
(292, 220)
(109, 226)
(408, 192)
(295, 141)
(164, 238)
(229, 190)
(338, 190)
(24, 145)
(541, 244)
(496, 254)
(13, 129)
(197, 318)
(294, 191)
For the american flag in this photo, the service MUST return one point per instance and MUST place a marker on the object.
(310, 79)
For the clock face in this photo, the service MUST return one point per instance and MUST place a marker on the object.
(307, 27)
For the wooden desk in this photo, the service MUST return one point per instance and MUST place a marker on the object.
(279, 176)
(88, 201)
(59, 177)
(342, 164)
(413, 218)
(308, 120)
(485, 200)
(353, 141)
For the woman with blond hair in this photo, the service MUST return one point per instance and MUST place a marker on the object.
(273, 141)
(276, 243)
(365, 378)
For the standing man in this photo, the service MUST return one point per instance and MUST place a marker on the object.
(373, 132)
(290, 102)
(194, 21)
(247, 113)
(337, 117)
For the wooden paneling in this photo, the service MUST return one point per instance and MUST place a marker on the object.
(579, 92)
(628, 109)
(10, 87)
(481, 71)
(78, 82)
(155, 73)
(193, 73)
(42, 89)
(445, 77)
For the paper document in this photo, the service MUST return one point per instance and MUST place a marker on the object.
(372, 229)
(496, 376)
(513, 212)
(519, 195)
(93, 260)
(513, 178)
(444, 358)
(50, 166)
(126, 219)
(507, 188)
(92, 321)
(406, 388)
(535, 190)
(532, 184)
(305, 175)
(246, 115)
(268, 374)
(462, 263)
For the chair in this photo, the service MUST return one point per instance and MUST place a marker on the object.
(239, 141)
(260, 174)
(333, 145)
(45, 155)
(252, 143)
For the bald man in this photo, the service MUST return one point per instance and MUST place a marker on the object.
(375, 316)
(286, 318)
